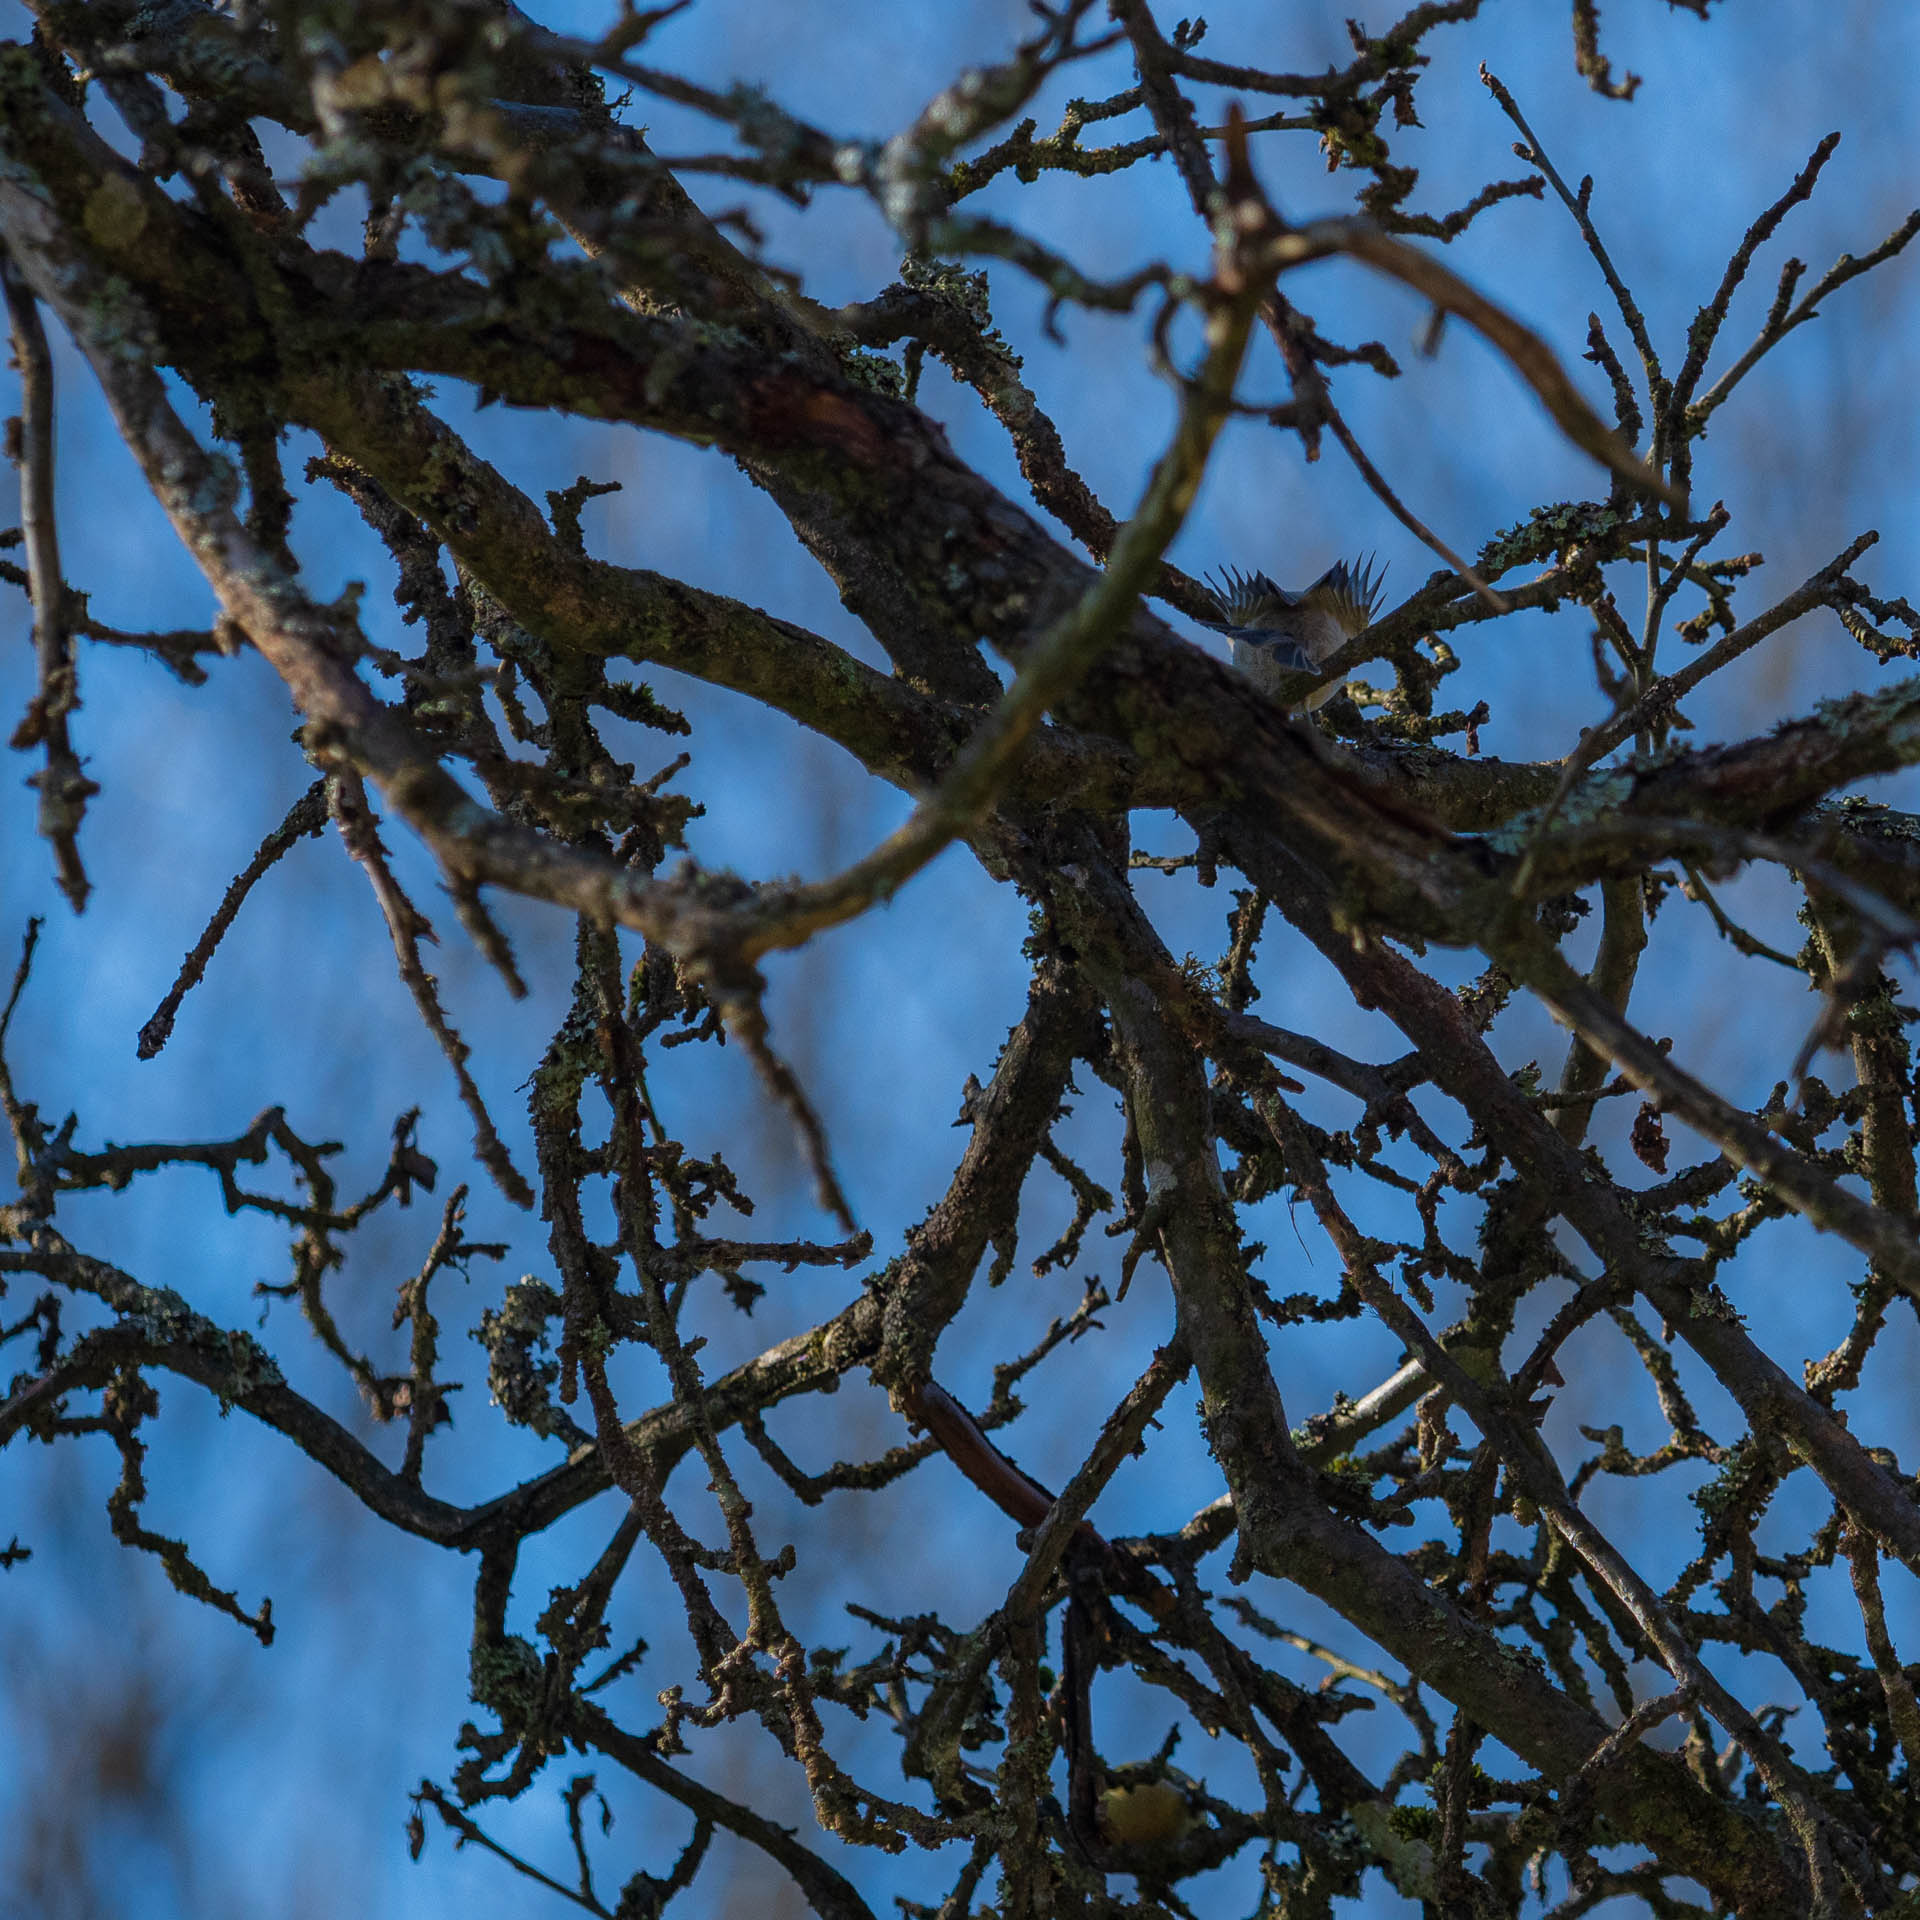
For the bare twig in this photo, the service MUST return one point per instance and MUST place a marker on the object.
(64, 789)
(307, 815)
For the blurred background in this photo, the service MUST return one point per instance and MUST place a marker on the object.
(160, 1762)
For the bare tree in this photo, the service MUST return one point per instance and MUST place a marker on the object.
(1570, 1725)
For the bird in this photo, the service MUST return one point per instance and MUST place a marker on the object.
(1275, 632)
(1152, 1817)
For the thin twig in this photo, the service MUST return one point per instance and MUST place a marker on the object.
(64, 789)
(408, 926)
(307, 815)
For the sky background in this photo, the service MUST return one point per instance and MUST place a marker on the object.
(161, 1762)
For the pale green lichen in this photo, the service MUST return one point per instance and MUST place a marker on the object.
(1406, 1859)
(1892, 714)
(1601, 796)
(161, 1318)
(874, 372)
(574, 1058)
(508, 1678)
(1550, 531)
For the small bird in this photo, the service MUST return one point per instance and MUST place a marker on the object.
(1152, 1817)
(1275, 632)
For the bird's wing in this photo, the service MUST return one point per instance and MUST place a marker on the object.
(1246, 600)
(1349, 592)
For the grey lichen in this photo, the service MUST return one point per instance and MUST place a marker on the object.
(508, 1678)
(1549, 532)
(1601, 796)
